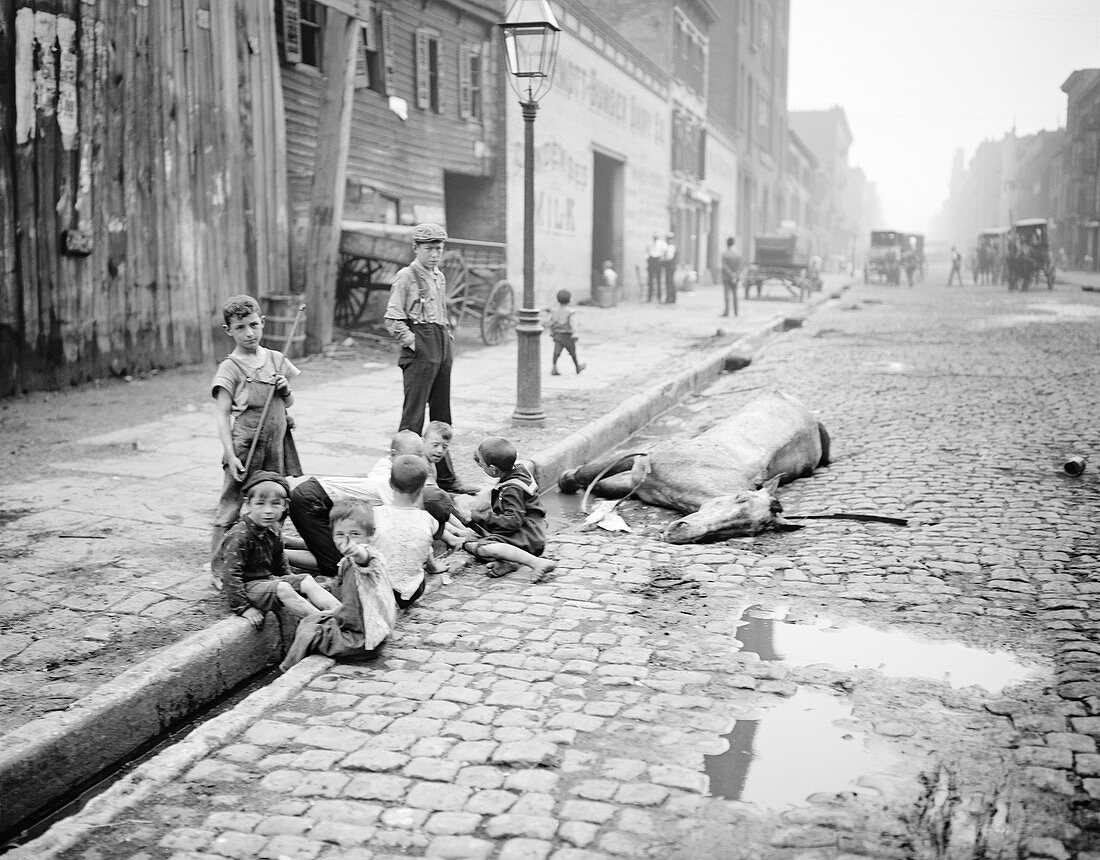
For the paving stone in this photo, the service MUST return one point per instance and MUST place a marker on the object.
(525, 849)
(452, 823)
(436, 796)
(459, 848)
(528, 826)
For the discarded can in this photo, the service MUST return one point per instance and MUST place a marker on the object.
(1074, 465)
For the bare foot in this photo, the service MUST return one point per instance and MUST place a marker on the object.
(544, 570)
(501, 568)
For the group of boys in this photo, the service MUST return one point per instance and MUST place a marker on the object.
(375, 536)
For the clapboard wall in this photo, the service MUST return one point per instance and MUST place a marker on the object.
(408, 159)
(142, 180)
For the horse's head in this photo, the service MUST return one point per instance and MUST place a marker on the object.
(738, 515)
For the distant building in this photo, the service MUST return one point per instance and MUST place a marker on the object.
(1080, 228)
(747, 107)
(827, 134)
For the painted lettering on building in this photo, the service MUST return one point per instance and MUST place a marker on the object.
(555, 212)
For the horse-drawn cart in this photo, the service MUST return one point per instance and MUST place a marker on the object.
(372, 254)
(782, 258)
(1029, 256)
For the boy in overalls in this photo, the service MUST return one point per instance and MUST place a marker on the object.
(240, 388)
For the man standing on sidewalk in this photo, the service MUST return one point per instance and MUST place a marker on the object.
(655, 266)
(671, 255)
(416, 316)
(731, 274)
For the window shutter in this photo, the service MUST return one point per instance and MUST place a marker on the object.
(362, 71)
(292, 33)
(465, 105)
(387, 51)
(423, 92)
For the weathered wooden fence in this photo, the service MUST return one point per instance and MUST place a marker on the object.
(142, 181)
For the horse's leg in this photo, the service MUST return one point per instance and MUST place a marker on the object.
(572, 480)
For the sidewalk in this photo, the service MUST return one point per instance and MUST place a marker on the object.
(1088, 281)
(106, 551)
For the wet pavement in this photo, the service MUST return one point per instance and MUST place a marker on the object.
(849, 690)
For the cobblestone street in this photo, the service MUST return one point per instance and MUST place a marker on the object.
(587, 716)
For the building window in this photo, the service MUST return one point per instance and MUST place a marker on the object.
(689, 60)
(311, 22)
(688, 145)
(470, 77)
(763, 120)
(766, 38)
(369, 68)
(300, 24)
(427, 70)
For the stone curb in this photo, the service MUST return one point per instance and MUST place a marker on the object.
(52, 756)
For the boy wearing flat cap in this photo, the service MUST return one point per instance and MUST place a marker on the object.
(416, 316)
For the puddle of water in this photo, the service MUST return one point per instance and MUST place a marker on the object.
(796, 749)
(894, 654)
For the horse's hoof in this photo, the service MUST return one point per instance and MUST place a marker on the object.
(567, 481)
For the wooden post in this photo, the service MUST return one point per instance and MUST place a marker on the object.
(326, 204)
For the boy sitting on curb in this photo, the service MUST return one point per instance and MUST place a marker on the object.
(251, 563)
(512, 532)
(367, 610)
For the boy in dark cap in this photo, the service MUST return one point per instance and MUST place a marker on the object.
(252, 565)
(417, 317)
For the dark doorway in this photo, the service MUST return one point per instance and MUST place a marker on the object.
(607, 215)
(473, 207)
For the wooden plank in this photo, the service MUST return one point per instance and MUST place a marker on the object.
(11, 324)
(341, 40)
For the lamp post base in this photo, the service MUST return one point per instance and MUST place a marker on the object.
(528, 379)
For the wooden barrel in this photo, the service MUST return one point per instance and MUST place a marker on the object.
(280, 312)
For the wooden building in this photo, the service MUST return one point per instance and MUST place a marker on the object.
(161, 156)
(141, 182)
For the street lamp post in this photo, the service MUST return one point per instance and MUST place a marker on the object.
(530, 34)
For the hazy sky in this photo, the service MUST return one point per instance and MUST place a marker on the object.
(920, 78)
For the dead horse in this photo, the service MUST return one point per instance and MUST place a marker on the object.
(724, 479)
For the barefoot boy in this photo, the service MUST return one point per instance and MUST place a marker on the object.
(367, 610)
(251, 564)
(240, 388)
(514, 528)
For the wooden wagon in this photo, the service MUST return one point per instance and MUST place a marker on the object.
(372, 254)
(782, 259)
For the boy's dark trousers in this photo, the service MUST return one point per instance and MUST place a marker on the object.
(670, 282)
(426, 376)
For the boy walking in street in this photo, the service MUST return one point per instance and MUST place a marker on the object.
(513, 530)
(563, 329)
(249, 380)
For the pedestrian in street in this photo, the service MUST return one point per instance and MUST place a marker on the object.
(563, 330)
(732, 263)
(512, 532)
(416, 316)
(671, 255)
(251, 562)
(405, 532)
(956, 266)
(251, 390)
(312, 500)
(655, 266)
(367, 611)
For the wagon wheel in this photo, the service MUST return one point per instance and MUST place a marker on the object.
(499, 313)
(352, 290)
(453, 266)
